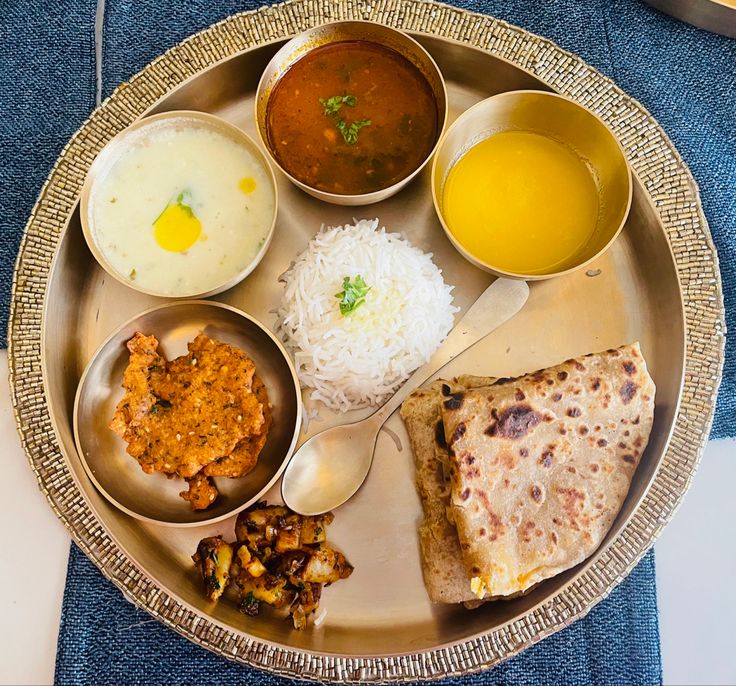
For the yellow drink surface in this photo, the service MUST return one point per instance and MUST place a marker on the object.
(521, 202)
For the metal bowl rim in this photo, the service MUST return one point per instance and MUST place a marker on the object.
(354, 199)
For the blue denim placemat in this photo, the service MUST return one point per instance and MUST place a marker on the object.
(47, 89)
(105, 640)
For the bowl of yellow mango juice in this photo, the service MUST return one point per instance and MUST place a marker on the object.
(530, 185)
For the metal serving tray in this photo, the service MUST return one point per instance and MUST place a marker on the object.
(658, 284)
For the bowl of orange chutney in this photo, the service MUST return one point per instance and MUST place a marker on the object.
(351, 111)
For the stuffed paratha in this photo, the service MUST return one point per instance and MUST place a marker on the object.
(445, 575)
(540, 465)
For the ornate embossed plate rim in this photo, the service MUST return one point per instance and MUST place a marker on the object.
(654, 159)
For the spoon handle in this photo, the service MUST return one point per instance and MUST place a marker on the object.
(497, 304)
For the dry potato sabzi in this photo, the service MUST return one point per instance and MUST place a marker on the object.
(203, 414)
(280, 558)
(214, 557)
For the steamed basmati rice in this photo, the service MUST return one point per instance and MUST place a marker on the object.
(359, 359)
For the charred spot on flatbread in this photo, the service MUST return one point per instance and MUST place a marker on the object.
(514, 422)
(628, 391)
(457, 433)
(439, 435)
(455, 401)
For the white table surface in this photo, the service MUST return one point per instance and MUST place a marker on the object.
(696, 571)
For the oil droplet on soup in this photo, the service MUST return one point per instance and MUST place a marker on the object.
(521, 202)
(247, 184)
(177, 228)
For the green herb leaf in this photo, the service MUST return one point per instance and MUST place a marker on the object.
(184, 200)
(352, 295)
(250, 604)
(331, 107)
(214, 581)
(350, 132)
(333, 104)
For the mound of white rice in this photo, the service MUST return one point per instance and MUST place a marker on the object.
(358, 359)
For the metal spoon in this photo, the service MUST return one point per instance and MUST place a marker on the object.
(332, 465)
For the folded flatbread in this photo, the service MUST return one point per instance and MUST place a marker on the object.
(541, 464)
(570, 491)
(445, 575)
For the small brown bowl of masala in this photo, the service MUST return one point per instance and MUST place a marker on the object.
(351, 111)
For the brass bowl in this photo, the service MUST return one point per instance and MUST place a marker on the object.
(559, 118)
(153, 497)
(335, 32)
(117, 146)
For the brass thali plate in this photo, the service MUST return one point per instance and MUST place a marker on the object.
(658, 284)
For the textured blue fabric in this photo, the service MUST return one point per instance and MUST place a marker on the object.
(47, 89)
(106, 640)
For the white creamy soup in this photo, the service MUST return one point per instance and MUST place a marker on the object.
(183, 210)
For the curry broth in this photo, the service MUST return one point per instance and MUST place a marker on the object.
(352, 117)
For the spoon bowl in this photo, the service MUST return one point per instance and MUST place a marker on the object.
(331, 467)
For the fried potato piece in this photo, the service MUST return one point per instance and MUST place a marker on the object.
(305, 604)
(244, 456)
(266, 588)
(214, 559)
(324, 565)
(257, 526)
(282, 558)
(201, 492)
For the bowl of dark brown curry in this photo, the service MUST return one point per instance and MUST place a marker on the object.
(351, 111)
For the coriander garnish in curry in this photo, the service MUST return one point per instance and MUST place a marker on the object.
(332, 108)
(351, 117)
